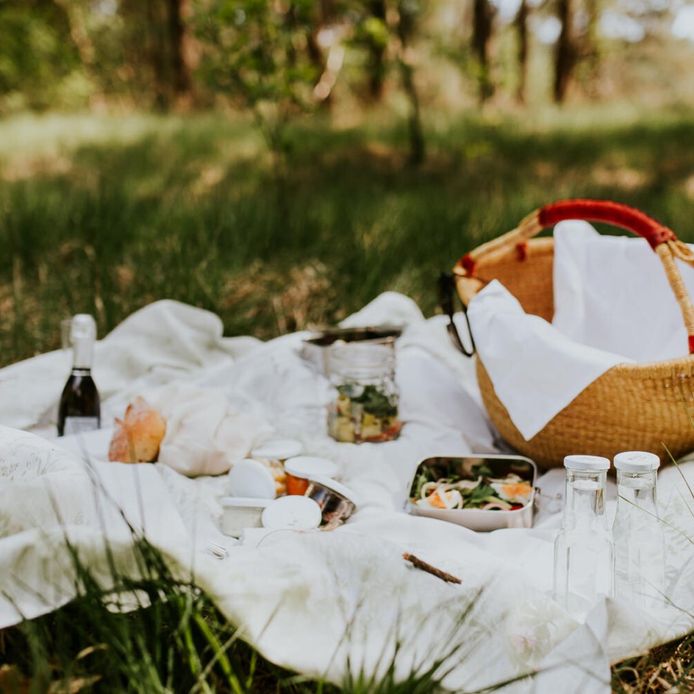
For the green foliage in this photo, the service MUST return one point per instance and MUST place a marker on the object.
(153, 634)
(36, 55)
(255, 53)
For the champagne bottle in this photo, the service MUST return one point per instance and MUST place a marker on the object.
(80, 407)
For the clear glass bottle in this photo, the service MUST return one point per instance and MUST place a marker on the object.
(80, 406)
(365, 405)
(583, 551)
(637, 532)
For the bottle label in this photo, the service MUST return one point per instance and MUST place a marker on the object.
(80, 425)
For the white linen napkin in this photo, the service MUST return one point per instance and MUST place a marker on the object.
(611, 293)
(206, 433)
(535, 369)
(613, 304)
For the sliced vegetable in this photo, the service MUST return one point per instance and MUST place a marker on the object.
(363, 413)
(492, 494)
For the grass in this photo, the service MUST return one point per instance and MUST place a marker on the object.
(177, 641)
(105, 214)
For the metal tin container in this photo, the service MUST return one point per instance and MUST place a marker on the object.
(316, 349)
(301, 469)
(480, 519)
(337, 502)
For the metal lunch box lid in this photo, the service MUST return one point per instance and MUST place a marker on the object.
(335, 487)
(292, 513)
(250, 478)
(306, 467)
(278, 449)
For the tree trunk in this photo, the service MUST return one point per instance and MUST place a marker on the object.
(591, 47)
(565, 56)
(156, 41)
(481, 35)
(521, 23)
(177, 12)
(377, 54)
(405, 31)
(319, 57)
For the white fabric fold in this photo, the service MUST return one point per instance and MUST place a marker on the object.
(611, 293)
(164, 341)
(535, 369)
(205, 433)
(612, 305)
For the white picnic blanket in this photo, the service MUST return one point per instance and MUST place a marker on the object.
(296, 595)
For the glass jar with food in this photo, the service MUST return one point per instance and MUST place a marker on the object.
(365, 405)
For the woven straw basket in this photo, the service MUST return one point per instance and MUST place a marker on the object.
(631, 406)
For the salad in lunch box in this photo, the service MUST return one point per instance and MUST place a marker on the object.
(474, 485)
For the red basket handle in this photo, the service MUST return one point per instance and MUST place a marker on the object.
(613, 213)
(662, 239)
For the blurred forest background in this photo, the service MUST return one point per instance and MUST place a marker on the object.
(282, 161)
(341, 55)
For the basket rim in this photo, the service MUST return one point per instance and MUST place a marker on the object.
(545, 244)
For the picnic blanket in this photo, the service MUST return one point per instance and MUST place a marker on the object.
(314, 602)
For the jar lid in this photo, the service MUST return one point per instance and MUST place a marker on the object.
(334, 486)
(587, 463)
(277, 449)
(250, 478)
(292, 513)
(361, 359)
(243, 502)
(306, 467)
(636, 461)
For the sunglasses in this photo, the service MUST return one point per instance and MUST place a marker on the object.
(447, 302)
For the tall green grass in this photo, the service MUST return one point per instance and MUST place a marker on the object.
(105, 214)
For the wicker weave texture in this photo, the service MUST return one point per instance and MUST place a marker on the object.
(630, 407)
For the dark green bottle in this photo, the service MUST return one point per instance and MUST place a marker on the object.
(80, 406)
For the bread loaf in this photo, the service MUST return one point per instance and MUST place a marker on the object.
(137, 437)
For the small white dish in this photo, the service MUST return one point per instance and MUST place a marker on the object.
(307, 467)
(241, 513)
(251, 479)
(292, 513)
(278, 449)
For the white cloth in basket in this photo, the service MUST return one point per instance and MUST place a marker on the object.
(613, 305)
(611, 293)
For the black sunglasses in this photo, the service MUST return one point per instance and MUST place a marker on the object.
(447, 294)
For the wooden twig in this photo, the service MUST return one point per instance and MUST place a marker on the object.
(419, 564)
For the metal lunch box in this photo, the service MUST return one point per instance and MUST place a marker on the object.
(479, 519)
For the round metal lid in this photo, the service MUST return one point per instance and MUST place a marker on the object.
(336, 487)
